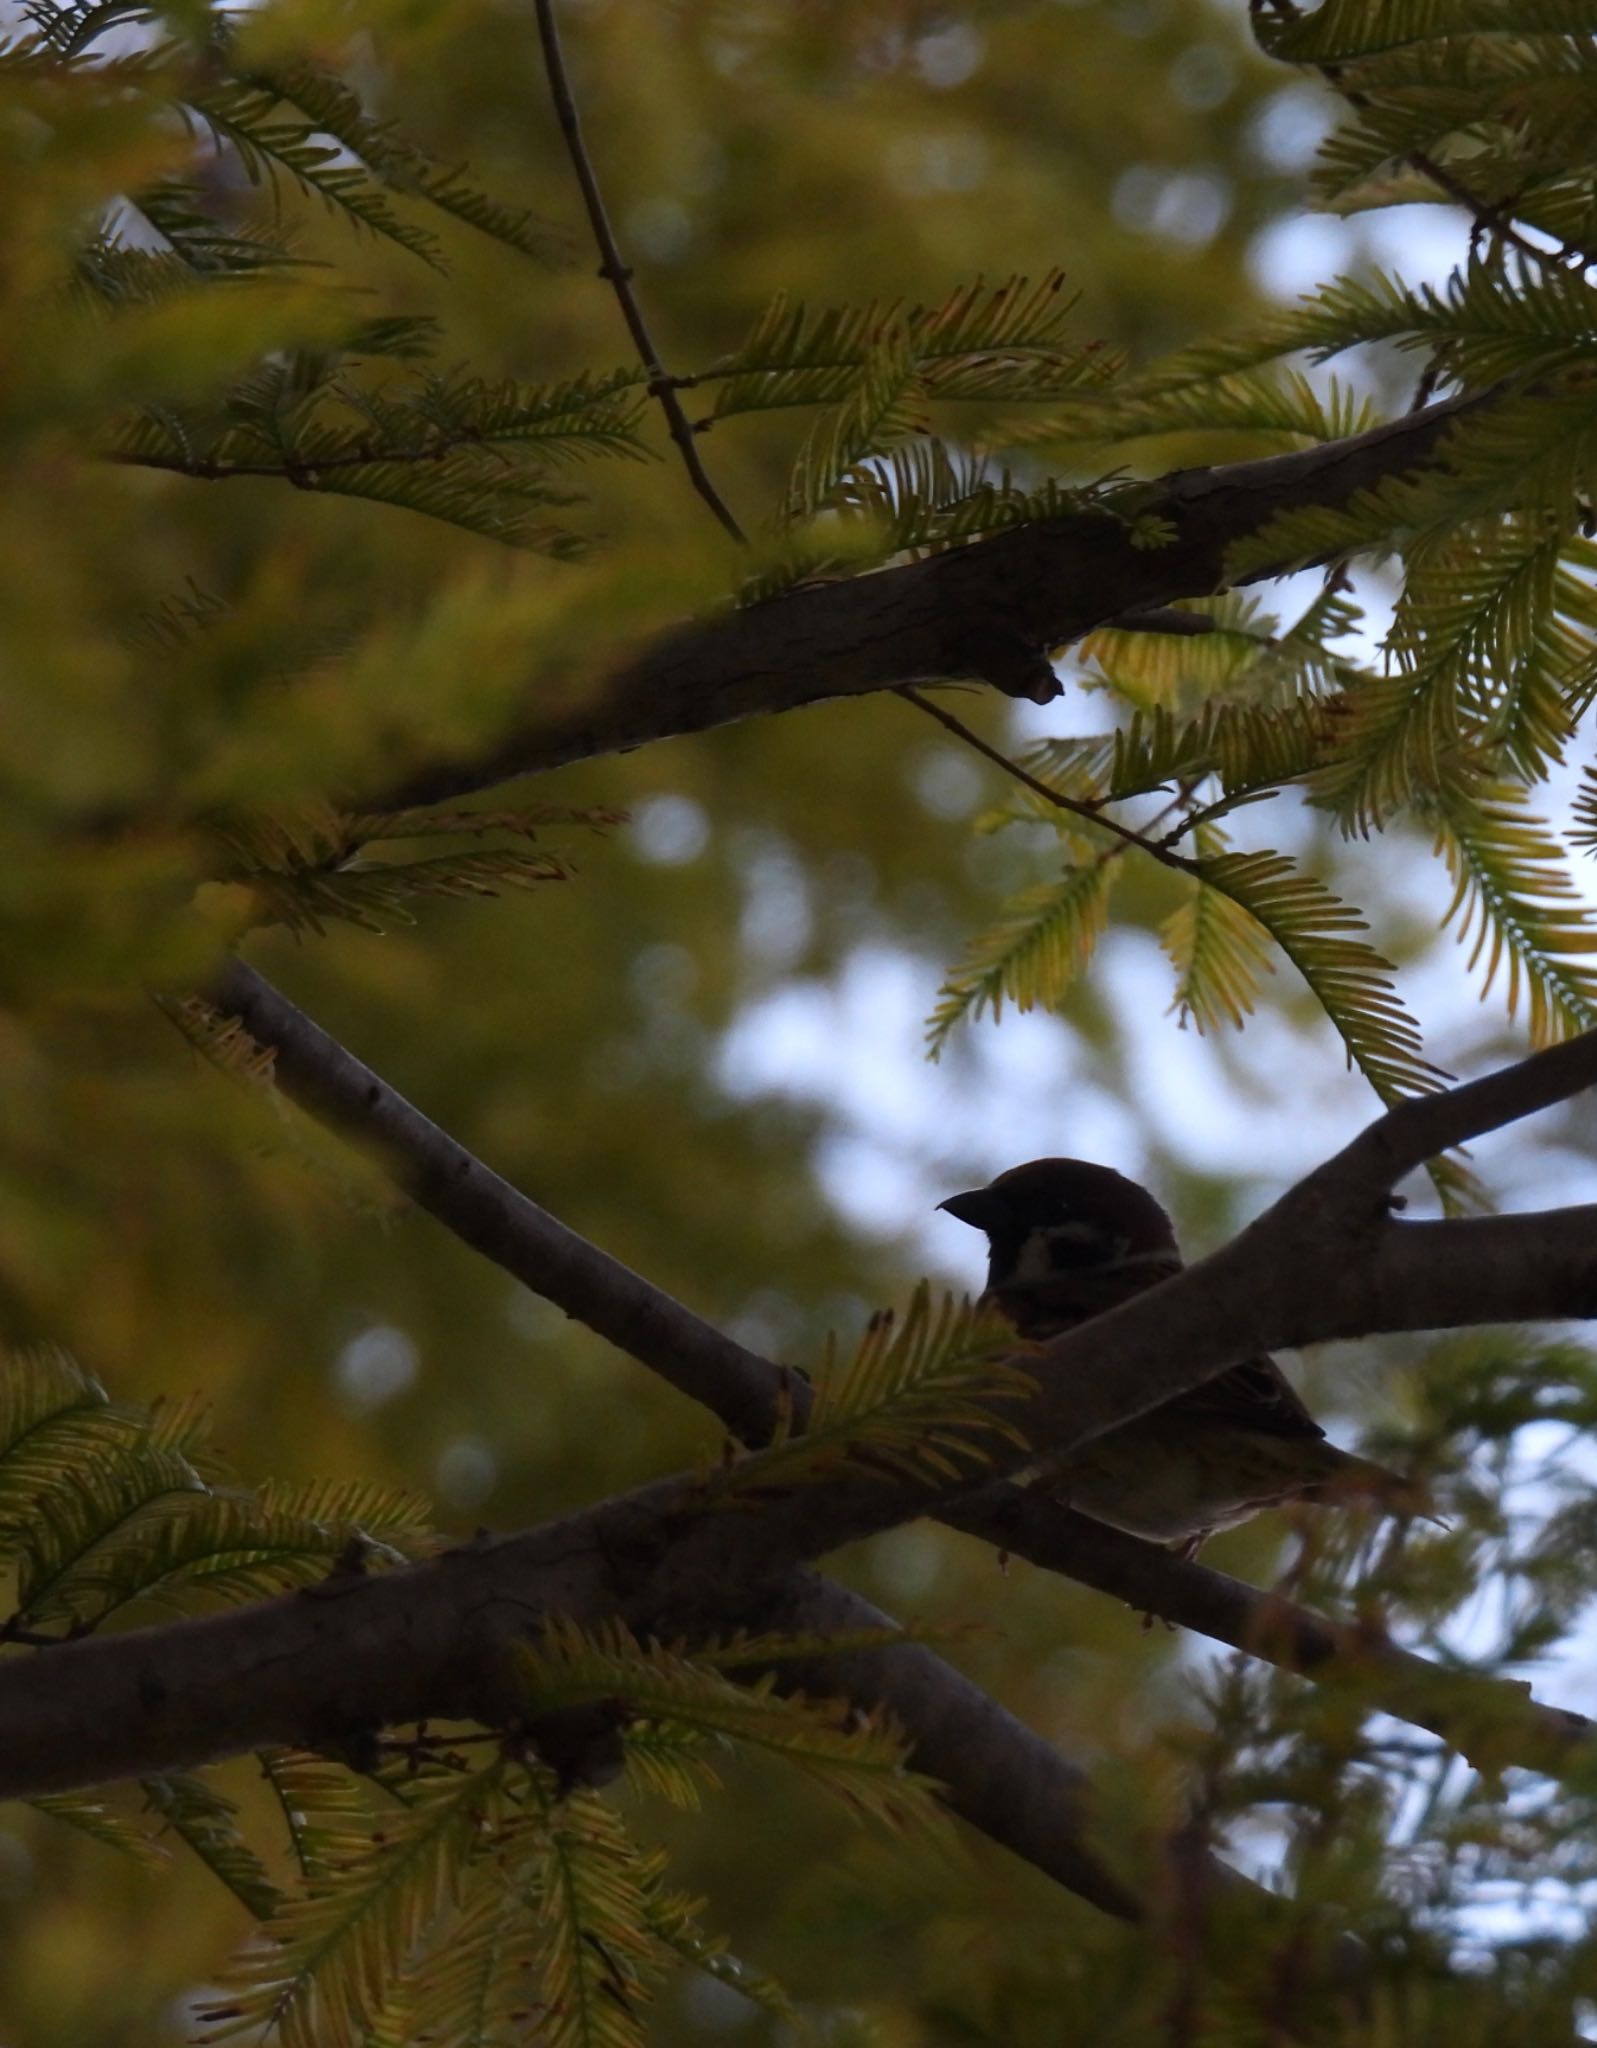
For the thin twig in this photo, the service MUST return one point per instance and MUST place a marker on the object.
(1078, 807)
(1171, 620)
(304, 474)
(1205, 812)
(1488, 219)
(662, 386)
(1424, 1126)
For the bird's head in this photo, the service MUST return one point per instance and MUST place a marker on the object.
(1056, 1217)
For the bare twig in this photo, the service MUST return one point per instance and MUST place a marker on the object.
(1078, 807)
(1489, 219)
(1168, 619)
(1427, 1125)
(662, 386)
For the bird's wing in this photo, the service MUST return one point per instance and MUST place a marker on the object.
(1254, 1395)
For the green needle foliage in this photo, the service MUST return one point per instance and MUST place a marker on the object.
(105, 1509)
(1044, 943)
(435, 1891)
(1518, 909)
(331, 472)
(304, 871)
(1218, 947)
(910, 1403)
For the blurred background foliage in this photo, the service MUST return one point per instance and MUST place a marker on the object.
(700, 1049)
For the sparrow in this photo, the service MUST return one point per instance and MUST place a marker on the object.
(1067, 1240)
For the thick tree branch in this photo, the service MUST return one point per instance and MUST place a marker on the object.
(1428, 1125)
(324, 1667)
(746, 1391)
(328, 1664)
(997, 1774)
(988, 611)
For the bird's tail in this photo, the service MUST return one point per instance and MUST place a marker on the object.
(1353, 1479)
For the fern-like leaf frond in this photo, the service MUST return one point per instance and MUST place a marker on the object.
(101, 1507)
(858, 1758)
(206, 1822)
(674, 1923)
(56, 1423)
(1351, 981)
(272, 144)
(318, 1967)
(913, 1402)
(314, 867)
(1041, 945)
(477, 454)
(252, 1546)
(91, 1815)
(1341, 31)
(599, 1961)
(1003, 343)
(1219, 950)
(1276, 409)
(883, 408)
(1485, 323)
(1516, 906)
(337, 111)
(77, 1535)
(1492, 641)
(323, 1805)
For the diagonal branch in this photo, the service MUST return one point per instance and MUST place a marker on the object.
(494, 1218)
(1489, 1721)
(1092, 813)
(321, 1666)
(988, 610)
(1427, 1125)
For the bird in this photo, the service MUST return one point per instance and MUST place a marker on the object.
(1068, 1239)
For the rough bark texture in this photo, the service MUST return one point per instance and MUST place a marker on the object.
(986, 611)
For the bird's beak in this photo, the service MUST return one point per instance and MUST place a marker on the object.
(978, 1207)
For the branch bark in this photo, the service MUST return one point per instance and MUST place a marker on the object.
(494, 1218)
(988, 611)
(1491, 1722)
(323, 1667)
(1267, 1290)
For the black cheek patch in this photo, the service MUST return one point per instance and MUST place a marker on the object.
(1073, 1246)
